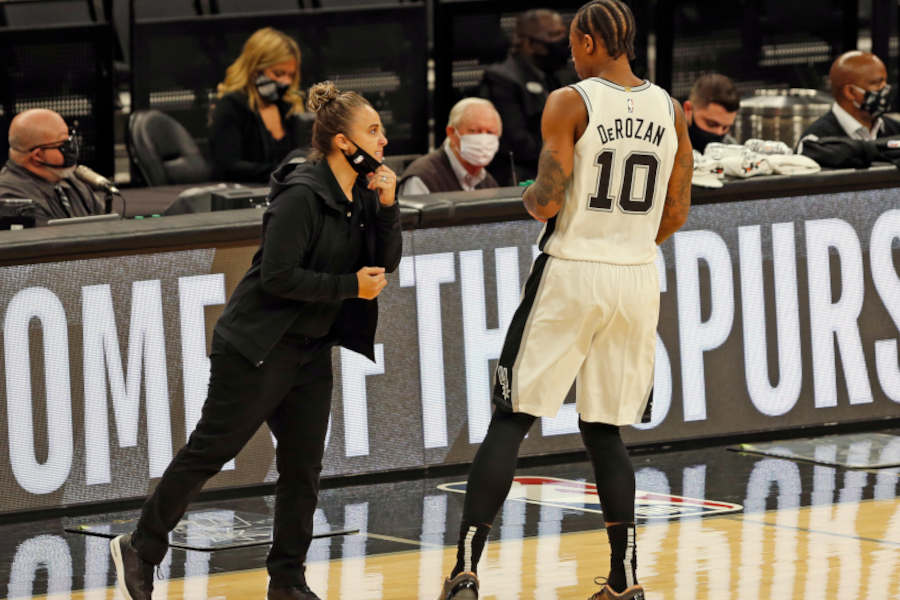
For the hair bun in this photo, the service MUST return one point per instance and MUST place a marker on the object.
(321, 94)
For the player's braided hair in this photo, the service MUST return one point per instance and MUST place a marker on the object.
(611, 20)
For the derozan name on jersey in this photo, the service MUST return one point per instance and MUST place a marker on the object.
(631, 128)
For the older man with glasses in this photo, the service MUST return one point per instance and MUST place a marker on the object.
(43, 154)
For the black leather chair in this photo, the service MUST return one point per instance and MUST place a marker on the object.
(163, 151)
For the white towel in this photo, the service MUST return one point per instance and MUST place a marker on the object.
(748, 164)
(793, 164)
(708, 172)
(707, 180)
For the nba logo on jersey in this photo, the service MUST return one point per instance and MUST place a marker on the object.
(582, 496)
(629, 103)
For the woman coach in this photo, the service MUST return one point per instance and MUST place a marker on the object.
(330, 233)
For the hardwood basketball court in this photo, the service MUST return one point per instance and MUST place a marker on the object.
(804, 531)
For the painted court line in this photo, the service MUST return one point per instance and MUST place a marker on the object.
(400, 540)
(810, 531)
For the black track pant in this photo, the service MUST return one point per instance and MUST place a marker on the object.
(291, 392)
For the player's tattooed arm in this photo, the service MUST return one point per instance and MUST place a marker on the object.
(548, 191)
(563, 122)
(678, 194)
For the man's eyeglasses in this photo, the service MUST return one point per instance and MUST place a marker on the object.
(69, 148)
(69, 145)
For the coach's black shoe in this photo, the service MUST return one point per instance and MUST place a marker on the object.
(462, 587)
(294, 592)
(134, 576)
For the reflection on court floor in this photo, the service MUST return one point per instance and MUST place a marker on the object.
(805, 531)
(581, 495)
(845, 551)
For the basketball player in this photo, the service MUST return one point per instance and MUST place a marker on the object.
(613, 181)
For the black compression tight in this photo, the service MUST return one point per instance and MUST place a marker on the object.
(613, 471)
(492, 474)
(494, 466)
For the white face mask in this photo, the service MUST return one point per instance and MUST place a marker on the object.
(478, 148)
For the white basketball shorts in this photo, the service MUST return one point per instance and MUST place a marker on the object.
(589, 322)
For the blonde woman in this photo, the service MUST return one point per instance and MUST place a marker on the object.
(256, 120)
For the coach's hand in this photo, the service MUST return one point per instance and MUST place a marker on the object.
(371, 281)
(384, 181)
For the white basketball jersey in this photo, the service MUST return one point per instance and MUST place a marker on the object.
(623, 160)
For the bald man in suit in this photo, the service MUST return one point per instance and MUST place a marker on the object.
(861, 97)
(43, 154)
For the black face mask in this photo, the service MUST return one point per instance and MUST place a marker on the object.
(69, 149)
(361, 161)
(876, 102)
(700, 137)
(269, 89)
(556, 57)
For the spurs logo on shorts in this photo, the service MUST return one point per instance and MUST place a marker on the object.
(503, 379)
(590, 307)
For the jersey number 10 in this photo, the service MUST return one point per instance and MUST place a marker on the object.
(628, 200)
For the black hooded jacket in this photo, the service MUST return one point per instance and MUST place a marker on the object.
(241, 147)
(301, 279)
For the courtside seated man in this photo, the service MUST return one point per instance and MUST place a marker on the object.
(43, 154)
(862, 96)
(473, 136)
(711, 110)
(614, 180)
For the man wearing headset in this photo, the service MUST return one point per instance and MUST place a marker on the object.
(43, 154)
